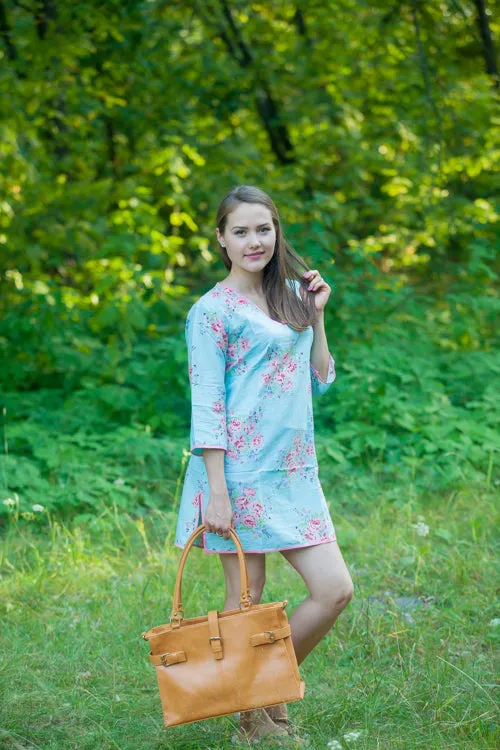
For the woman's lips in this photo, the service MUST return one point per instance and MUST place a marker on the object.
(255, 255)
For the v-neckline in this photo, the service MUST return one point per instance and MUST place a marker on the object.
(243, 296)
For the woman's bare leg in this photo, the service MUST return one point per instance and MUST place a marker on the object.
(256, 566)
(330, 590)
(255, 723)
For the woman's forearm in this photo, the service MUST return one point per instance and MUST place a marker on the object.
(319, 350)
(214, 462)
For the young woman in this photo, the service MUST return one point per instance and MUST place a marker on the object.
(257, 354)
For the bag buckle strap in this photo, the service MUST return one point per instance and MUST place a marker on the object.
(215, 639)
(270, 636)
(167, 659)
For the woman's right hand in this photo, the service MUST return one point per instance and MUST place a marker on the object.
(219, 513)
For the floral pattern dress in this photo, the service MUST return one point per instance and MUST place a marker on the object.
(252, 384)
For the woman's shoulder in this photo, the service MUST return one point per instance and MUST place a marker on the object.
(212, 301)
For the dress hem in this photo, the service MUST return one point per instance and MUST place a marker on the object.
(254, 551)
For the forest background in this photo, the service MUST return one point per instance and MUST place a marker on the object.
(374, 126)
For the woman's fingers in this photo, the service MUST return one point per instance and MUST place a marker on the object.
(219, 530)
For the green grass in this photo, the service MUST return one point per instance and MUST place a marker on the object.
(75, 599)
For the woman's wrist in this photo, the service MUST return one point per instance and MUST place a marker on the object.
(218, 488)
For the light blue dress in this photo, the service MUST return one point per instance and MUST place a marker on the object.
(252, 384)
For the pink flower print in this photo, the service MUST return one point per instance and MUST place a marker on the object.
(217, 325)
(250, 491)
(286, 356)
(314, 523)
(197, 498)
(241, 502)
(231, 454)
(250, 521)
(258, 508)
(296, 440)
(235, 424)
(218, 406)
(257, 441)
(291, 366)
(242, 301)
(289, 459)
(231, 350)
(239, 444)
(266, 377)
(251, 518)
(279, 377)
(245, 344)
(310, 449)
(251, 426)
(288, 385)
(309, 537)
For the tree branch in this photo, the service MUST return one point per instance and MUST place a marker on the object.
(6, 33)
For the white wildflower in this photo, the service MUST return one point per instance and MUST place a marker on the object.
(334, 745)
(494, 623)
(421, 528)
(9, 502)
(351, 736)
(119, 481)
(117, 698)
(38, 508)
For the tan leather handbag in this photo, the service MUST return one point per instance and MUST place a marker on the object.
(226, 661)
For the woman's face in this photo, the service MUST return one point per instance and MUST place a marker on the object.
(249, 236)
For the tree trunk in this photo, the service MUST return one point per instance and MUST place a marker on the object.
(487, 39)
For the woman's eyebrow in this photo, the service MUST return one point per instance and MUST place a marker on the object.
(266, 223)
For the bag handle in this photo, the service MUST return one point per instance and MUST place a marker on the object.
(245, 596)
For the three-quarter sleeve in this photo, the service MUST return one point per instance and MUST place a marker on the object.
(318, 385)
(206, 339)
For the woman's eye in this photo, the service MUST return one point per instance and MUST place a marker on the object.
(242, 231)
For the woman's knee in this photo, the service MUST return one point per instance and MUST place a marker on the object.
(336, 596)
(257, 588)
(256, 578)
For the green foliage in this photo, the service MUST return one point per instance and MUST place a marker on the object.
(375, 131)
(415, 396)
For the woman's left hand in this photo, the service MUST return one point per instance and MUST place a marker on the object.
(320, 288)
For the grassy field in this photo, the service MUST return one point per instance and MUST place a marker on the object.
(409, 663)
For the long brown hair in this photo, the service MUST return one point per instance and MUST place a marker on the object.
(283, 303)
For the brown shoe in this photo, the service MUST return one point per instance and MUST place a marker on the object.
(257, 723)
(279, 715)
